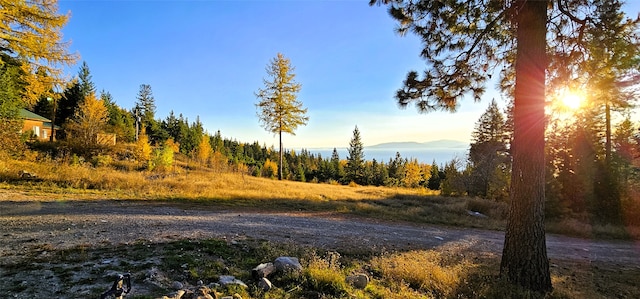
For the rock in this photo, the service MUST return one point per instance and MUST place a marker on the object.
(26, 175)
(204, 292)
(228, 279)
(358, 281)
(176, 285)
(287, 263)
(265, 284)
(477, 214)
(262, 270)
(179, 294)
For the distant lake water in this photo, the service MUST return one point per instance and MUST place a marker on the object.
(427, 156)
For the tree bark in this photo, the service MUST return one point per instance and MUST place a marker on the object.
(524, 257)
(281, 157)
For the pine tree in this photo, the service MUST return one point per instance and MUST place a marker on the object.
(121, 122)
(87, 86)
(396, 171)
(434, 179)
(488, 155)
(146, 109)
(337, 170)
(464, 40)
(279, 110)
(354, 169)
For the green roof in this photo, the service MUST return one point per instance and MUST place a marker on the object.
(26, 114)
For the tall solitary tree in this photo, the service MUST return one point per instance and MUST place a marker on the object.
(279, 110)
(465, 43)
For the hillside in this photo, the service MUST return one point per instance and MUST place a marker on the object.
(442, 143)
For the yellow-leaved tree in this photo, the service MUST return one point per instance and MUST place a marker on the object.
(279, 110)
(30, 30)
(203, 151)
(143, 149)
(90, 119)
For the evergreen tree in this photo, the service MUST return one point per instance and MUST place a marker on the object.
(337, 170)
(121, 122)
(146, 109)
(451, 184)
(279, 110)
(87, 87)
(79, 89)
(354, 169)
(146, 103)
(380, 173)
(488, 156)
(464, 40)
(434, 178)
(396, 171)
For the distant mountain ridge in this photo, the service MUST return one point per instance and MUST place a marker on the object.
(442, 143)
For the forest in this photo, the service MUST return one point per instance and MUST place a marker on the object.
(585, 178)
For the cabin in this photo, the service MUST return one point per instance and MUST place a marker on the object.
(39, 125)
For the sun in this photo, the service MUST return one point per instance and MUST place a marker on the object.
(572, 101)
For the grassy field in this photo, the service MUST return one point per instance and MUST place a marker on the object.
(450, 272)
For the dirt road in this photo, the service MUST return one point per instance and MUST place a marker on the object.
(24, 224)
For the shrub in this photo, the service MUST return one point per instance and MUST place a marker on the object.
(101, 160)
(162, 159)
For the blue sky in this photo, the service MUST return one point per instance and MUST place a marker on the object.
(207, 58)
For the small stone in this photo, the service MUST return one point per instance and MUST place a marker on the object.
(262, 270)
(176, 285)
(228, 279)
(358, 281)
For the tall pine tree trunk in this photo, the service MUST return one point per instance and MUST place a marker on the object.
(281, 157)
(524, 257)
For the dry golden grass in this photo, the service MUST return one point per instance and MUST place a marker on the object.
(431, 272)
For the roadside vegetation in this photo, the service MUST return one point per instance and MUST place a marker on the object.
(187, 183)
(449, 271)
